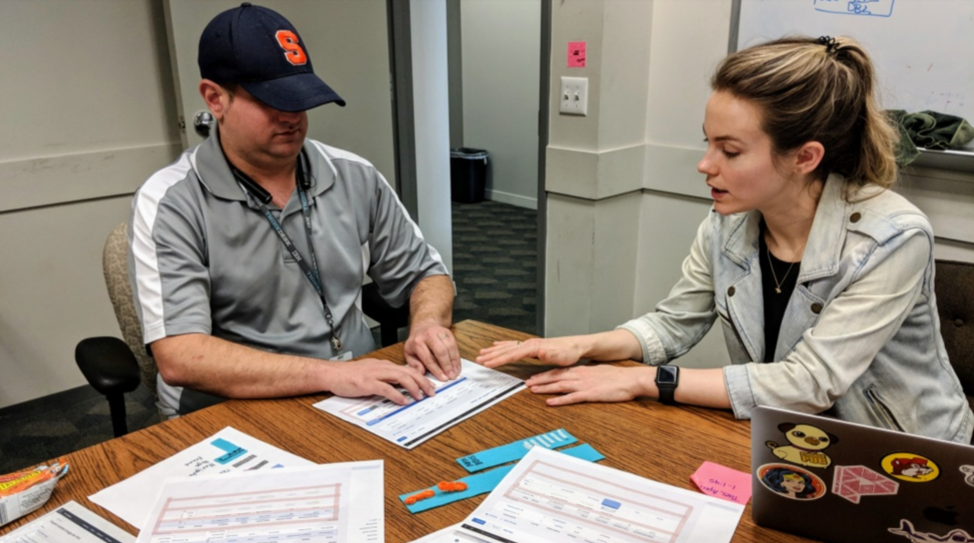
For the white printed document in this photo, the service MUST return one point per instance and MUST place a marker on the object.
(451, 534)
(476, 389)
(330, 503)
(226, 451)
(550, 497)
(70, 523)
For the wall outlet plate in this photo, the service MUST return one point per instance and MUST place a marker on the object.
(574, 96)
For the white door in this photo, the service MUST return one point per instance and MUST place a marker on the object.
(349, 47)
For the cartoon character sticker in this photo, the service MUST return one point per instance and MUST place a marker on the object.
(954, 536)
(806, 445)
(791, 482)
(910, 467)
(968, 471)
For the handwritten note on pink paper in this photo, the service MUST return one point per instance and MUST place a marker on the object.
(722, 482)
(576, 54)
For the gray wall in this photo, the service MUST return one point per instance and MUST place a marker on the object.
(88, 113)
(500, 51)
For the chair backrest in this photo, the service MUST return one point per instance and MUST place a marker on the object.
(954, 285)
(115, 268)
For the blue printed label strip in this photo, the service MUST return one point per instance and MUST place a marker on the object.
(232, 451)
(515, 451)
(482, 483)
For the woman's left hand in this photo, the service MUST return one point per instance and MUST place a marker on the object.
(591, 384)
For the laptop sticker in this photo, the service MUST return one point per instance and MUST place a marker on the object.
(854, 482)
(791, 482)
(954, 536)
(806, 445)
(968, 472)
(910, 467)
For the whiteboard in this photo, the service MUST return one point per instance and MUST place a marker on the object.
(923, 49)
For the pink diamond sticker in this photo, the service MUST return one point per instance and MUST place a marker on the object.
(854, 482)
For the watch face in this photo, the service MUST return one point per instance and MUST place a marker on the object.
(666, 375)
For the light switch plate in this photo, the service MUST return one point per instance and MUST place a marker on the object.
(574, 96)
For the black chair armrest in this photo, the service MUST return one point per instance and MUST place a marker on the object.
(108, 364)
(390, 319)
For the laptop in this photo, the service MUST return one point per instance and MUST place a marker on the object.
(841, 482)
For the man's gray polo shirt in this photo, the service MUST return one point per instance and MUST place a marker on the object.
(205, 259)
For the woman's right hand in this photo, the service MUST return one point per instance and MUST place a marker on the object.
(559, 351)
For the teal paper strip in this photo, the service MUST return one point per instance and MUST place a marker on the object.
(482, 483)
(515, 451)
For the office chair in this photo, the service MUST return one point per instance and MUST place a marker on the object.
(954, 285)
(113, 366)
(390, 319)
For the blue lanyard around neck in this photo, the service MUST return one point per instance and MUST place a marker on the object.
(311, 271)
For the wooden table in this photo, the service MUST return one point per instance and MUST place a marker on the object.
(659, 442)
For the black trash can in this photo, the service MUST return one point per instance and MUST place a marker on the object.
(468, 174)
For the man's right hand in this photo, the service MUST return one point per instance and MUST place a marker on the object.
(371, 376)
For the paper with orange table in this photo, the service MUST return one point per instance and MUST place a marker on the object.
(551, 497)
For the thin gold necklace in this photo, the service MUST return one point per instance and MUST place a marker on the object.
(777, 284)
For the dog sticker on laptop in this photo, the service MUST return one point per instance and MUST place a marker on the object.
(806, 443)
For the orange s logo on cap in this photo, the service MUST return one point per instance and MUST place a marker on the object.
(292, 49)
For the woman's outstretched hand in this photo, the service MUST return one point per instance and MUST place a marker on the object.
(560, 351)
(592, 384)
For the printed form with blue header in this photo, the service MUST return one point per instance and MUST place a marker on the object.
(409, 425)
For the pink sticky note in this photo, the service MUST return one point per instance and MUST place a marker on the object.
(722, 482)
(576, 54)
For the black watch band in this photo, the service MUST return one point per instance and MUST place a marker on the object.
(667, 379)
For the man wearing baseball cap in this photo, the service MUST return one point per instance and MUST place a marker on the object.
(248, 253)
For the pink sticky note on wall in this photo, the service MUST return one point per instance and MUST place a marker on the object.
(722, 482)
(576, 54)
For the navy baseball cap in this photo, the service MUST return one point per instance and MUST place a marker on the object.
(261, 51)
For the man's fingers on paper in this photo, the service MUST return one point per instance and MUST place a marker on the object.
(453, 352)
(422, 351)
(388, 391)
(418, 385)
(415, 365)
(415, 384)
(445, 354)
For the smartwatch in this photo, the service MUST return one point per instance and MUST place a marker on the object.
(667, 378)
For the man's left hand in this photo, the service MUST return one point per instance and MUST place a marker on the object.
(432, 347)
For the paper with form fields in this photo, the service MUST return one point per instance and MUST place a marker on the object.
(450, 534)
(408, 425)
(550, 497)
(330, 503)
(70, 523)
(226, 451)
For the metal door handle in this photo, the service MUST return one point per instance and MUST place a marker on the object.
(203, 121)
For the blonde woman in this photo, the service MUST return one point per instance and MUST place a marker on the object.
(821, 278)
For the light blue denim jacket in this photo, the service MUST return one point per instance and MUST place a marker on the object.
(860, 336)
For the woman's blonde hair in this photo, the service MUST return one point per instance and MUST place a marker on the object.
(817, 90)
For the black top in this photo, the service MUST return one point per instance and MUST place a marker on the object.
(775, 303)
